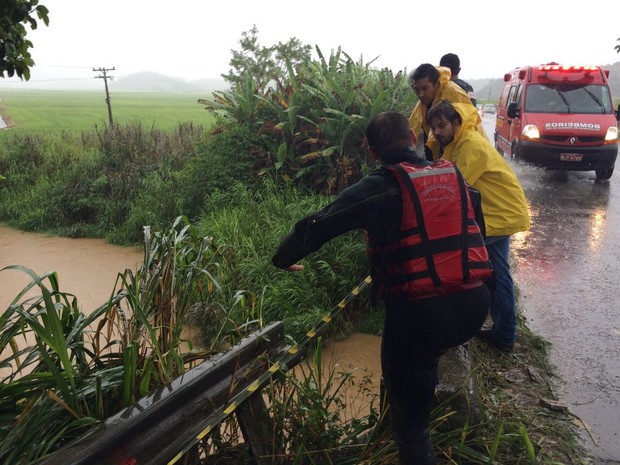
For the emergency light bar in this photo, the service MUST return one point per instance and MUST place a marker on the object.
(542, 72)
(567, 68)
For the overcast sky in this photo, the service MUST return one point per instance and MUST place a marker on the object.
(193, 38)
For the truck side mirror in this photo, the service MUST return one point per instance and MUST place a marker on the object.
(513, 110)
(618, 114)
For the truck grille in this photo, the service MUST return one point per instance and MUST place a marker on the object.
(564, 140)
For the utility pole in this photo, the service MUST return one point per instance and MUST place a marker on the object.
(105, 77)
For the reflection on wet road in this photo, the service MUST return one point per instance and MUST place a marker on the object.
(568, 272)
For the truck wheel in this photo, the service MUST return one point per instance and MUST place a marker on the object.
(497, 147)
(603, 174)
(514, 152)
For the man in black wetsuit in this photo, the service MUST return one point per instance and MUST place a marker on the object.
(420, 325)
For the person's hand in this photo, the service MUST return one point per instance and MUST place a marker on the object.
(295, 267)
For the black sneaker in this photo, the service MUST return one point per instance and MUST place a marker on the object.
(486, 335)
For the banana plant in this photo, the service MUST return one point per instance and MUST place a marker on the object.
(311, 121)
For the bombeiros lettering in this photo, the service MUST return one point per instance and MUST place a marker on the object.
(573, 126)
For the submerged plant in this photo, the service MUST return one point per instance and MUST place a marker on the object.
(312, 416)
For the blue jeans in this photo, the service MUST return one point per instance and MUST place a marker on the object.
(503, 307)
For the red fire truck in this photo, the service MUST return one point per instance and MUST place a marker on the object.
(559, 117)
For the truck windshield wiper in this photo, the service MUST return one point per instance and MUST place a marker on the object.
(559, 92)
(596, 99)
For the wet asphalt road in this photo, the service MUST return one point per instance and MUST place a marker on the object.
(568, 272)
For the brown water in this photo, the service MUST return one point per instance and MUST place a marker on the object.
(88, 269)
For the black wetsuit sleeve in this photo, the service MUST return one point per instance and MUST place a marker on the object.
(373, 204)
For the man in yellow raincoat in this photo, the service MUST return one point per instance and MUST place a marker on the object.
(430, 84)
(503, 204)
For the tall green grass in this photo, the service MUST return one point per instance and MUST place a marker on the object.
(39, 111)
(64, 371)
(236, 215)
(104, 183)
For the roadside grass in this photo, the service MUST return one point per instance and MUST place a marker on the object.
(522, 419)
(40, 111)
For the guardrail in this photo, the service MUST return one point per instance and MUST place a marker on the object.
(156, 428)
(162, 427)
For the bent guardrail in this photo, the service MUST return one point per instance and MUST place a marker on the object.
(162, 427)
(157, 427)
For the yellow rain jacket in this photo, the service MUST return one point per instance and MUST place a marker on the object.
(449, 91)
(503, 200)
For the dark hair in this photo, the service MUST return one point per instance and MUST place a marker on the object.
(445, 109)
(425, 70)
(387, 132)
(451, 60)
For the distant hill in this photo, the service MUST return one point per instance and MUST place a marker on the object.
(148, 81)
(490, 89)
(145, 81)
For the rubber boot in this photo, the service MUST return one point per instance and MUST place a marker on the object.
(417, 450)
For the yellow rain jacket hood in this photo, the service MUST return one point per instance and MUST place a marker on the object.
(449, 91)
(503, 200)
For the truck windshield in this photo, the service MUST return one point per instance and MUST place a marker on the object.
(557, 98)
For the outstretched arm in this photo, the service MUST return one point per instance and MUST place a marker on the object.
(361, 206)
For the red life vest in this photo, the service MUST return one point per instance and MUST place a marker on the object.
(439, 248)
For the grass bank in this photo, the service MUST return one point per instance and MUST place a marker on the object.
(523, 421)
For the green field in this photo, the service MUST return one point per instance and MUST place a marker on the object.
(52, 111)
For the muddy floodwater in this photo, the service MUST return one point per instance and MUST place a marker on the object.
(86, 268)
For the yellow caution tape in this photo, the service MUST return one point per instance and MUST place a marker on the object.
(232, 405)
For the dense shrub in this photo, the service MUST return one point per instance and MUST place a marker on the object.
(309, 126)
(226, 157)
(248, 225)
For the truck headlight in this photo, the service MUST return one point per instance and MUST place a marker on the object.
(530, 131)
(612, 135)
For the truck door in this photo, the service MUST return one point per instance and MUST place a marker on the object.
(515, 123)
(503, 126)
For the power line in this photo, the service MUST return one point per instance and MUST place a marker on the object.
(45, 80)
(61, 66)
